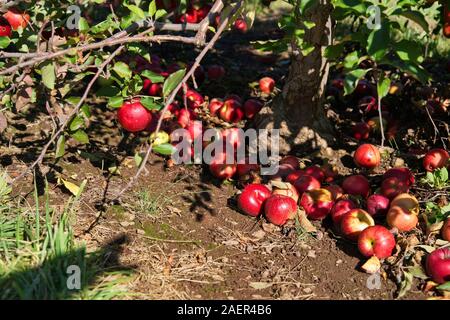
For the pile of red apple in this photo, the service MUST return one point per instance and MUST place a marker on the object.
(369, 219)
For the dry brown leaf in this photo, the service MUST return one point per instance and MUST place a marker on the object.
(305, 223)
(371, 266)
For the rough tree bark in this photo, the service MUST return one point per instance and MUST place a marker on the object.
(299, 111)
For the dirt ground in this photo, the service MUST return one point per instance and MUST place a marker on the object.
(177, 230)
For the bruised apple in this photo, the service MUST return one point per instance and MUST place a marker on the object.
(401, 219)
(354, 222)
(340, 208)
(317, 203)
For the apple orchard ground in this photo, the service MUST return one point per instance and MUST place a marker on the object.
(177, 230)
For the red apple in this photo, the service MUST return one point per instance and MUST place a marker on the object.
(354, 222)
(340, 208)
(367, 156)
(317, 203)
(152, 89)
(376, 241)
(194, 99)
(231, 111)
(356, 185)
(244, 167)
(445, 231)
(252, 107)
(316, 172)
(189, 17)
(17, 19)
(377, 205)
(5, 28)
(266, 85)
(363, 88)
(287, 189)
(330, 172)
(306, 183)
(435, 159)
(438, 265)
(185, 116)
(215, 105)
(292, 161)
(195, 130)
(234, 96)
(278, 209)
(241, 25)
(133, 116)
(401, 218)
(252, 198)
(392, 187)
(361, 131)
(220, 169)
(216, 72)
(203, 12)
(335, 190)
(283, 170)
(403, 174)
(294, 175)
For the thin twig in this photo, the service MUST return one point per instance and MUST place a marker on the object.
(70, 116)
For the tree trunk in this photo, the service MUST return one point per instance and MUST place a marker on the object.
(299, 111)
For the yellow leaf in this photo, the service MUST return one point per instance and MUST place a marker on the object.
(73, 188)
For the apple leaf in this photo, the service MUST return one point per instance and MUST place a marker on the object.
(378, 41)
(76, 123)
(60, 147)
(383, 86)
(156, 78)
(352, 78)
(413, 15)
(123, 70)
(406, 284)
(165, 149)
(445, 286)
(173, 81)
(150, 104)
(80, 136)
(48, 75)
(115, 102)
(4, 42)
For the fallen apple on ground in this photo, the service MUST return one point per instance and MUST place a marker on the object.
(354, 222)
(367, 156)
(377, 205)
(252, 198)
(340, 208)
(356, 185)
(285, 188)
(278, 209)
(438, 265)
(306, 183)
(402, 219)
(435, 159)
(445, 231)
(376, 241)
(317, 203)
(266, 85)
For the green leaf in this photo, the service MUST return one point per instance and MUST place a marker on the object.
(48, 75)
(409, 51)
(80, 136)
(138, 12)
(115, 102)
(138, 157)
(445, 286)
(383, 86)
(60, 147)
(76, 123)
(378, 41)
(333, 52)
(4, 42)
(352, 78)
(165, 149)
(305, 5)
(83, 25)
(409, 67)
(152, 8)
(156, 78)
(352, 5)
(413, 15)
(173, 81)
(123, 70)
(351, 60)
(150, 103)
(109, 91)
